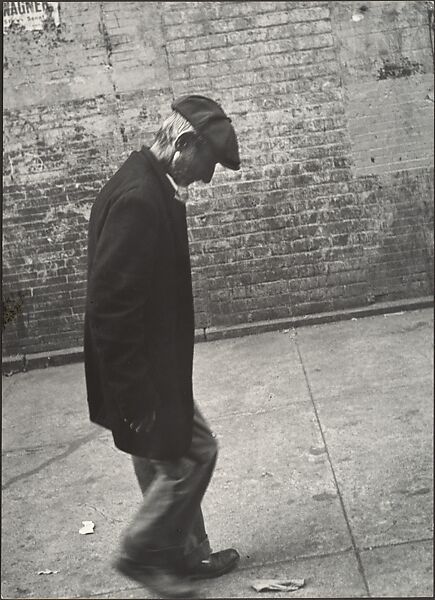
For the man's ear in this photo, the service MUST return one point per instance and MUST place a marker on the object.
(184, 140)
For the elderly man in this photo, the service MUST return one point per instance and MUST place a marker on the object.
(139, 336)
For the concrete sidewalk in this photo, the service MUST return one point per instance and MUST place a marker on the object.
(325, 469)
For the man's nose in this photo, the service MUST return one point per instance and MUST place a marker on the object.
(208, 176)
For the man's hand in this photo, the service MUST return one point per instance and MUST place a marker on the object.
(143, 425)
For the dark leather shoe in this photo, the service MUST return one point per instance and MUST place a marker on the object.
(160, 581)
(216, 565)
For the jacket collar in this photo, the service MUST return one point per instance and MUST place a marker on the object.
(159, 171)
(176, 209)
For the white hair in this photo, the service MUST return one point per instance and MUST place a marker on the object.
(169, 132)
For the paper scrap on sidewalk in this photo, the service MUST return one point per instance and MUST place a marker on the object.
(47, 572)
(278, 585)
(88, 527)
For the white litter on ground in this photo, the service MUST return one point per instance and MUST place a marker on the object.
(47, 572)
(278, 585)
(88, 527)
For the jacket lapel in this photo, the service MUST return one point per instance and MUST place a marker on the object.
(175, 209)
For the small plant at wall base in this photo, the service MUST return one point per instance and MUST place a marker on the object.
(404, 68)
(11, 308)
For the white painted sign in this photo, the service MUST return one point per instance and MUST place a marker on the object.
(29, 15)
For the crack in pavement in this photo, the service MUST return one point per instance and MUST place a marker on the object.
(334, 477)
(37, 448)
(72, 447)
(251, 413)
(33, 449)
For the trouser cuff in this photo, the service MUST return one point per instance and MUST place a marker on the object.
(194, 555)
(165, 558)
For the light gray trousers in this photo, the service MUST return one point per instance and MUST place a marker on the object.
(168, 529)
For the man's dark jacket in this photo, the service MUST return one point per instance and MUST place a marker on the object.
(139, 322)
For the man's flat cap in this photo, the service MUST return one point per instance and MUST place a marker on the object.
(210, 121)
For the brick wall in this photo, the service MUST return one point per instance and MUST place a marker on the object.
(332, 102)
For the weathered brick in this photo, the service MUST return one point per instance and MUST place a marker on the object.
(310, 223)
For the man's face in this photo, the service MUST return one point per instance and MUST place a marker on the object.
(195, 162)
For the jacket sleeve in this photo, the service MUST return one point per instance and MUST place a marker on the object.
(119, 284)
